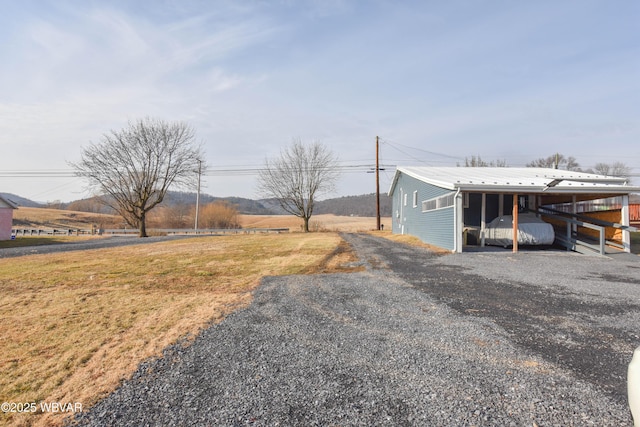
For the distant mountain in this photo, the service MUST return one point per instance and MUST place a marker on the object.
(21, 201)
(364, 205)
(244, 206)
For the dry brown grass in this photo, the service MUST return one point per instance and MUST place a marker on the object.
(327, 222)
(43, 217)
(324, 222)
(409, 240)
(78, 323)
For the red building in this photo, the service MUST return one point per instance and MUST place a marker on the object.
(6, 218)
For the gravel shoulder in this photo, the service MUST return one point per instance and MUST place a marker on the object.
(415, 339)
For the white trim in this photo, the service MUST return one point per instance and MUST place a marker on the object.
(458, 224)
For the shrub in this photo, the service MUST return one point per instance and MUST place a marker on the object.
(219, 214)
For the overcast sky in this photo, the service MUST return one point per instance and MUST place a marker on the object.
(436, 80)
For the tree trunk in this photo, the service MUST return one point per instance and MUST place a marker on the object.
(306, 224)
(143, 225)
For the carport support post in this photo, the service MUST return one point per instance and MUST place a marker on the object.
(624, 220)
(483, 219)
(515, 223)
(574, 210)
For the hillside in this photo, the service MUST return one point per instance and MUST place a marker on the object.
(363, 205)
(34, 217)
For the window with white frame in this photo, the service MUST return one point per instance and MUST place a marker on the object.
(440, 202)
(415, 199)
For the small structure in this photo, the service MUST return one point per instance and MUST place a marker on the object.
(6, 217)
(451, 207)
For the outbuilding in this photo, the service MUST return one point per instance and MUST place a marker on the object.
(452, 207)
(6, 217)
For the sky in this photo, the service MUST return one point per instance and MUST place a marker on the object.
(437, 81)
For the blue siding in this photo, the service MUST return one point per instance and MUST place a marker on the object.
(433, 227)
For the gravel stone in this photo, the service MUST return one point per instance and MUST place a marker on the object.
(415, 339)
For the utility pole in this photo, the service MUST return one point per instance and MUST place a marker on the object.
(378, 225)
(377, 184)
(198, 195)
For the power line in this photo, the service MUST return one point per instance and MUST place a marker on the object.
(211, 171)
(252, 170)
(396, 146)
(41, 173)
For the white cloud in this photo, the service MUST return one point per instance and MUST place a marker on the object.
(458, 77)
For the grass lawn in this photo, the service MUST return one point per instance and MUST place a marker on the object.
(77, 323)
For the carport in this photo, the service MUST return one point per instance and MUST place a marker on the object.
(587, 211)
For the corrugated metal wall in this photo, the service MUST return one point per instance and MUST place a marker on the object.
(433, 227)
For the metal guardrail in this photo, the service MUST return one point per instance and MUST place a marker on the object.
(50, 231)
(203, 231)
(133, 231)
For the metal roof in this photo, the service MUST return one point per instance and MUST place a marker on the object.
(8, 203)
(523, 180)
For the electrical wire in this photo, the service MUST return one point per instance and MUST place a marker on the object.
(396, 146)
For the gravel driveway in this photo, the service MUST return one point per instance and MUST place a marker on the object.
(478, 339)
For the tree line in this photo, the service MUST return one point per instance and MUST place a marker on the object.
(557, 161)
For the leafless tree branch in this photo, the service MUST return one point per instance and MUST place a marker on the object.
(298, 176)
(135, 167)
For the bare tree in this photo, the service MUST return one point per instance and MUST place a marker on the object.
(614, 169)
(135, 167)
(556, 161)
(476, 161)
(298, 176)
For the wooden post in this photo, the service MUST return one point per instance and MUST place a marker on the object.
(624, 220)
(195, 226)
(515, 223)
(377, 185)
